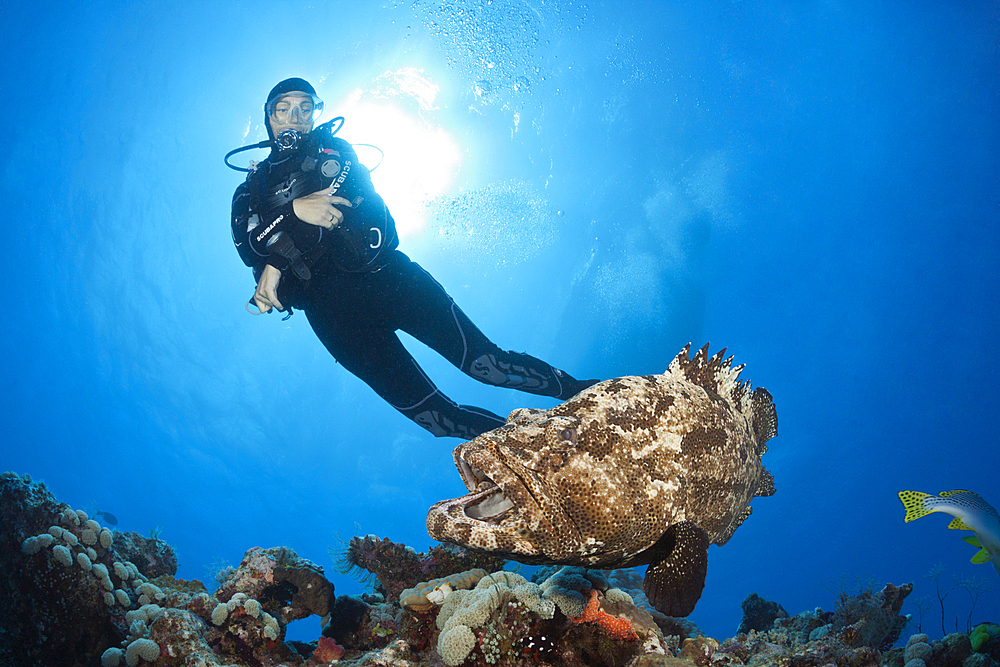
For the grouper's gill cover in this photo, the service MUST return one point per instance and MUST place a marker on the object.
(631, 471)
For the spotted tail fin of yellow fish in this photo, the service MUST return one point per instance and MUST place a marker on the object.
(970, 512)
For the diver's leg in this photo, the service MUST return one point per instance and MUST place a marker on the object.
(430, 315)
(379, 359)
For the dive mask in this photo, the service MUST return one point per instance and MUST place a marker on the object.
(295, 108)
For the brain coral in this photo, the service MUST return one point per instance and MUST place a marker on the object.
(31, 546)
(220, 613)
(105, 538)
(252, 607)
(112, 657)
(146, 649)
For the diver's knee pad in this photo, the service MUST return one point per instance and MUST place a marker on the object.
(527, 374)
(446, 419)
(487, 368)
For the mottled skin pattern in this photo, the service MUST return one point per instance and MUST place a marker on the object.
(631, 471)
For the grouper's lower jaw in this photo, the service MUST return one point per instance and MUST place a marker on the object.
(473, 521)
(490, 517)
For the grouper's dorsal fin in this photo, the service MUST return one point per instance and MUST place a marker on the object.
(765, 484)
(718, 375)
(763, 417)
(714, 374)
(674, 583)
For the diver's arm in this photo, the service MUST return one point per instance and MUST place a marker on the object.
(320, 208)
(266, 295)
(248, 227)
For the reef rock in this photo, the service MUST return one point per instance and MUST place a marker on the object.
(288, 586)
(399, 567)
(59, 597)
(151, 555)
(759, 614)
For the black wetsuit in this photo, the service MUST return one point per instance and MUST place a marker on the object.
(357, 289)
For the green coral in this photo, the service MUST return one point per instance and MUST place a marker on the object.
(983, 634)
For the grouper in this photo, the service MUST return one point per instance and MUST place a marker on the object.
(638, 470)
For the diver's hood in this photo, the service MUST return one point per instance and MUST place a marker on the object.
(283, 87)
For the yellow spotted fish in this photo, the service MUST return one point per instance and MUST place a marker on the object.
(971, 512)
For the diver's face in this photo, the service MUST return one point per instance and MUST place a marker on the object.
(293, 111)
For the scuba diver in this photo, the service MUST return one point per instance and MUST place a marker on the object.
(318, 237)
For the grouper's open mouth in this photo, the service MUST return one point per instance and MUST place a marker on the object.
(507, 511)
(499, 512)
(486, 500)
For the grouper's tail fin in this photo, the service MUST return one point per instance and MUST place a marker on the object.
(718, 375)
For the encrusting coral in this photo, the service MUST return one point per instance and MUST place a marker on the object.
(617, 627)
(425, 595)
(498, 603)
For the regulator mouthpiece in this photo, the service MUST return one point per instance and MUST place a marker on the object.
(288, 140)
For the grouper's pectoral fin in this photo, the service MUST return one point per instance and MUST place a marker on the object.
(674, 583)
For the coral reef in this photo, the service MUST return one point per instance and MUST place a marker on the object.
(291, 587)
(398, 567)
(72, 596)
(67, 588)
(151, 555)
(759, 614)
(871, 618)
(78, 595)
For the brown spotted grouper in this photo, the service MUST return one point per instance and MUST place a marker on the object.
(631, 471)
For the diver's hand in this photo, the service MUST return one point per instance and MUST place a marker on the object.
(318, 208)
(267, 290)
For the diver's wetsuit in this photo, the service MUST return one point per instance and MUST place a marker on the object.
(357, 289)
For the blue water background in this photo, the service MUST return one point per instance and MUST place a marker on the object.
(814, 185)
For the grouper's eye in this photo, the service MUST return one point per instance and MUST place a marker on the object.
(568, 434)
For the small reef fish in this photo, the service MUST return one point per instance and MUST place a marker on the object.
(971, 512)
(107, 517)
(631, 471)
